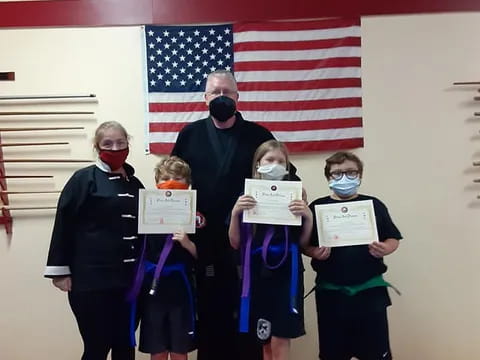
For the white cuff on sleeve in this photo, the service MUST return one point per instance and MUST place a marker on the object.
(57, 271)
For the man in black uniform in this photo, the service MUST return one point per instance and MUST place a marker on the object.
(219, 150)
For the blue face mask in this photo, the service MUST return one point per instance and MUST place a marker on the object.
(345, 187)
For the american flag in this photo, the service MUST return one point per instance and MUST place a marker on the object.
(301, 79)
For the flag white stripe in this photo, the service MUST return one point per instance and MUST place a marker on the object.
(163, 137)
(176, 117)
(287, 95)
(295, 55)
(313, 135)
(303, 115)
(289, 136)
(299, 95)
(298, 75)
(157, 97)
(296, 35)
(266, 116)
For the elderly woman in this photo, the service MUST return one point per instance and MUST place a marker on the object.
(93, 250)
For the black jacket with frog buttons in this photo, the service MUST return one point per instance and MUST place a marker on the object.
(95, 238)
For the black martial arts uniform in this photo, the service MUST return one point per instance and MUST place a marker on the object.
(220, 160)
(94, 241)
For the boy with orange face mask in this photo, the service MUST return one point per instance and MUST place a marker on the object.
(166, 300)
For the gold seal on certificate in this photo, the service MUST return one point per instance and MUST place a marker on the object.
(346, 223)
(166, 211)
(273, 198)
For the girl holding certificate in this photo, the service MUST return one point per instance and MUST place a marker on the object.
(166, 301)
(272, 291)
(351, 294)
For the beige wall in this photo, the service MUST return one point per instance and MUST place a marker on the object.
(420, 141)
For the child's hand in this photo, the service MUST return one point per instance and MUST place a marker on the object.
(380, 249)
(300, 208)
(321, 253)
(185, 242)
(244, 202)
(180, 236)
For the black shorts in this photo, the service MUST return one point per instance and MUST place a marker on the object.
(165, 326)
(343, 334)
(270, 308)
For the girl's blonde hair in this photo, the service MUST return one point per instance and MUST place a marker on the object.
(263, 149)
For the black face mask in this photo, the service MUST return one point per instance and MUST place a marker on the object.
(222, 108)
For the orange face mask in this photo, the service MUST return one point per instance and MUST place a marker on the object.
(172, 185)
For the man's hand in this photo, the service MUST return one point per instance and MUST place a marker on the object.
(64, 283)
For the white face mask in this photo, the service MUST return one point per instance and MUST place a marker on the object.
(272, 171)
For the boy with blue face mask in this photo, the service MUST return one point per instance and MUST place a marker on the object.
(351, 295)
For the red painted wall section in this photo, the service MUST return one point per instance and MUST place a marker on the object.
(75, 13)
(134, 12)
(206, 11)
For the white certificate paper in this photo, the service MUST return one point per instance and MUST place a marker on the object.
(346, 223)
(166, 211)
(272, 198)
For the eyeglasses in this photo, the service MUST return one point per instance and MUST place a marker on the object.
(218, 92)
(350, 174)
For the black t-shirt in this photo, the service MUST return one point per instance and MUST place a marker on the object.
(350, 265)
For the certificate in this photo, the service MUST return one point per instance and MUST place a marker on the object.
(166, 211)
(346, 223)
(273, 198)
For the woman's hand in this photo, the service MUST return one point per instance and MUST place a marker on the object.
(244, 202)
(64, 283)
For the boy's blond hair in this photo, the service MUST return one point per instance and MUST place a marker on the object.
(173, 166)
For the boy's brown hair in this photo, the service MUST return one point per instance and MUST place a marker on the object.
(173, 166)
(339, 158)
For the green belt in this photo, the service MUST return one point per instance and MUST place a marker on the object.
(352, 290)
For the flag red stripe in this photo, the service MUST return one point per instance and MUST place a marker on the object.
(294, 147)
(166, 126)
(175, 107)
(324, 145)
(275, 125)
(297, 65)
(312, 124)
(299, 85)
(296, 45)
(263, 105)
(299, 105)
(296, 25)
(161, 148)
